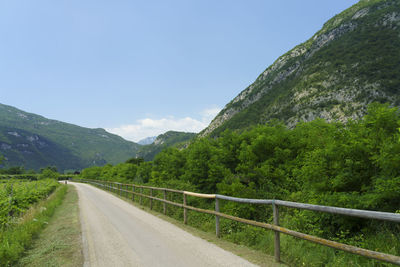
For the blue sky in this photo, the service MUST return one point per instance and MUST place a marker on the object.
(140, 68)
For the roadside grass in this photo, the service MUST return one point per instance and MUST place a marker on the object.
(60, 243)
(257, 257)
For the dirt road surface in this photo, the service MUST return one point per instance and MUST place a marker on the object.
(116, 233)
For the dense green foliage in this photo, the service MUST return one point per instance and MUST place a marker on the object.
(19, 172)
(17, 228)
(17, 196)
(34, 142)
(351, 62)
(168, 139)
(15, 239)
(353, 165)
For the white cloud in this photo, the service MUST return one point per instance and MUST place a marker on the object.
(152, 127)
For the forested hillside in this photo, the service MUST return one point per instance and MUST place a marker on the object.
(35, 142)
(352, 61)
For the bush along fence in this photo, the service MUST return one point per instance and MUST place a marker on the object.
(137, 190)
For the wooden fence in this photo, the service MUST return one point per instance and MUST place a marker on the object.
(119, 188)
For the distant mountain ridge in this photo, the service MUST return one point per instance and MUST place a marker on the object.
(147, 140)
(34, 142)
(168, 139)
(352, 61)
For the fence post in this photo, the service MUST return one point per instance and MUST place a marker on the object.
(184, 209)
(277, 243)
(133, 193)
(119, 189)
(151, 200)
(165, 204)
(10, 201)
(11, 193)
(216, 217)
(126, 191)
(141, 198)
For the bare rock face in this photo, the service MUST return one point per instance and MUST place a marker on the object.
(325, 77)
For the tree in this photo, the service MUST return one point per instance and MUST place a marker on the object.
(52, 168)
(136, 161)
(48, 173)
(143, 173)
(168, 165)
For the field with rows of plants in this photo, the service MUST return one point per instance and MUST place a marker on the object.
(17, 196)
(25, 207)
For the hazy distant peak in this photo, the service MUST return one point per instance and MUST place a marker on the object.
(147, 140)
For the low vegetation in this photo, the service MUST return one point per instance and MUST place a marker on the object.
(24, 210)
(353, 165)
(17, 196)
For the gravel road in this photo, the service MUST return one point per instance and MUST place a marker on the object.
(116, 233)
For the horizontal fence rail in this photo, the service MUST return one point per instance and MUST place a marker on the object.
(385, 216)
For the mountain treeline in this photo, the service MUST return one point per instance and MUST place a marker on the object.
(352, 165)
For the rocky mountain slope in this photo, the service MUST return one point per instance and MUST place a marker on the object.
(34, 142)
(352, 61)
(168, 139)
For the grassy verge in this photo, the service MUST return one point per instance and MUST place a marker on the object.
(15, 240)
(60, 243)
(255, 256)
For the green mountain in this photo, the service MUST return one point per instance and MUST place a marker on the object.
(352, 61)
(168, 139)
(34, 142)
